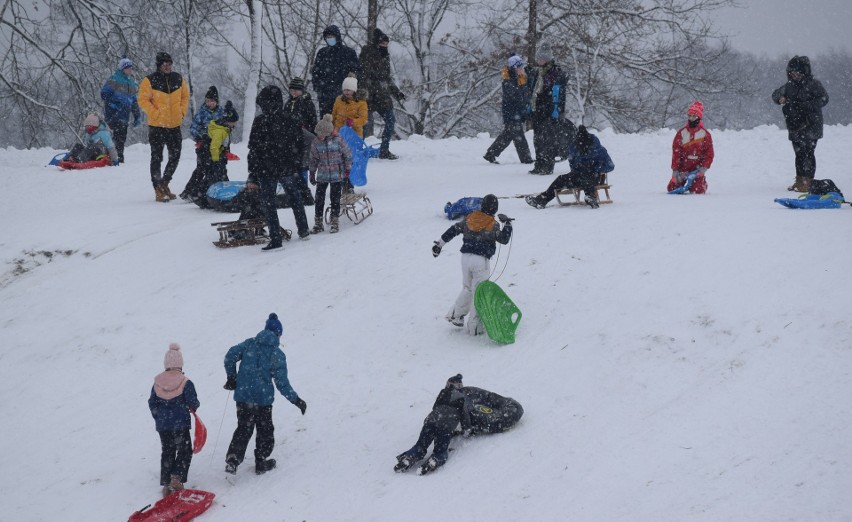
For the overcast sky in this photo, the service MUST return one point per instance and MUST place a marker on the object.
(788, 27)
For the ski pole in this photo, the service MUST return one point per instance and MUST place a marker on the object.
(216, 443)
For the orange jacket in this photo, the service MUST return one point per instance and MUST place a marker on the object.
(692, 148)
(356, 109)
(164, 98)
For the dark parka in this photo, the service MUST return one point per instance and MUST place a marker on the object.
(376, 75)
(303, 110)
(516, 96)
(332, 65)
(805, 100)
(276, 146)
(545, 101)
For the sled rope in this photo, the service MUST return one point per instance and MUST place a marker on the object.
(496, 261)
(216, 442)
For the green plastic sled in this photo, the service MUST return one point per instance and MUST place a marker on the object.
(498, 313)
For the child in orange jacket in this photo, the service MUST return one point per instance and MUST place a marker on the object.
(350, 108)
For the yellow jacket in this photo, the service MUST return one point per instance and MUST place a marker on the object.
(164, 98)
(356, 108)
(219, 136)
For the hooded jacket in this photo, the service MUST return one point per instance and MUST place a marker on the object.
(276, 144)
(332, 64)
(516, 96)
(119, 96)
(164, 98)
(805, 99)
(101, 136)
(261, 362)
(480, 234)
(376, 76)
(595, 160)
(172, 398)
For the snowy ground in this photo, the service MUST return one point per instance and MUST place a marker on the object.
(679, 358)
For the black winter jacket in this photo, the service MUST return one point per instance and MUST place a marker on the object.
(332, 65)
(480, 234)
(377, 79)
(516, 96)
(805, 99)
(303, 110)
(544, 103)
(275, 144)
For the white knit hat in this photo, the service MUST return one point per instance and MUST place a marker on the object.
(173, 358)
(350, 84)
(91, 120)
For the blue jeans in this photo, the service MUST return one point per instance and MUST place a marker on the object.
(390, 125)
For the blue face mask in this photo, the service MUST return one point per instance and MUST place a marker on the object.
(331, 41)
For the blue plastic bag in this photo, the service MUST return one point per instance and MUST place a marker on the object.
(462, 207)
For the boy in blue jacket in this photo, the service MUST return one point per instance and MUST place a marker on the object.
(119, 96)
(172, 398)
(261, 363)
(589, 160)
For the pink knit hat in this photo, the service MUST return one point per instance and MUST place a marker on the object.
(697, 109)
(91, 120)
(174, 358)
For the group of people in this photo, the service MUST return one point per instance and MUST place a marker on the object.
(255, 368)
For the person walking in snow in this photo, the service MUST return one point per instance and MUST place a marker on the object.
(516, 100)
(589, 161)
(548, 104)
(119, 96)
(332, 64)
(692, 154)
(329, 164)
(276, 148)
(802, 99)
(96, 142)
(261, 363)
(458, 410)
(480, 235)
(164, 96)
(172, 398)
(377, 79)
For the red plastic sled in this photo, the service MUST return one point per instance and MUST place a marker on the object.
(200, 434)
(177, 507)
(73, 165)
(231, 156)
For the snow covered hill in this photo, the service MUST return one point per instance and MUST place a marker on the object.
(679, 358)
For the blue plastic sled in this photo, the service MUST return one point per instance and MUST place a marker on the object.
(813, 201)
(462, 207)
(361, 152)
(690, 179)
(59, 157)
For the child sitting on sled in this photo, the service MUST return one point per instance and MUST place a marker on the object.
(692, 154)
(172, 398)
(96, 143)
(329, 163)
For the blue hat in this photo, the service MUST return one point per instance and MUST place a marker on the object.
(274, 325)
(124, 63)
(515, 61)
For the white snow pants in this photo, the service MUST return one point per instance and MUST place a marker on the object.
(475, 269)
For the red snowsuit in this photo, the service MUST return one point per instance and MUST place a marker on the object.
(692, 149)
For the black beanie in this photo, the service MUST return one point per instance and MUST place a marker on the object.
(297, 83)
(455, 380)
(379, 36)
(212, 94)
(162, 57)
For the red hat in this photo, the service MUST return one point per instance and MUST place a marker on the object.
(697, 109)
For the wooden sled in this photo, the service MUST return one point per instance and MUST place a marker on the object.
(355, 205)
(562, 196)
(245, 232)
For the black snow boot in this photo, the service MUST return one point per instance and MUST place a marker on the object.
(429, 466)
(262, 466)
(231, 464)
(403, 463)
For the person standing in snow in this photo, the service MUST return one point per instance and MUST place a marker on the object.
(209, 111)
(350, 108)
(480, 234)
(329, 164)
(261, 362)
(692, 154)
(589, 160)
(377, 80)
(276, 150)
(802, 99)
(164, 97)
(332, 64)
(548, 104)
(172, 398)
(458, 410)
(516, 100)
(301, 107)
(119, 96)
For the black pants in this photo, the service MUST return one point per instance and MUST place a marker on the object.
(176, 455)
(250, 416)
(546, 143)
(512, 132)
(206, 172)
(428, 434)
(805, 158)
(159, 137)
(334, 199)
(119, 136)
(326, 103)
(292, 186)
(582, 180)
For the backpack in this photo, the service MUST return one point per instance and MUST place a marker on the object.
(820, 187)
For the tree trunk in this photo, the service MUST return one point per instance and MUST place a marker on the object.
(372, 18)
(532, 35)
(256, 13)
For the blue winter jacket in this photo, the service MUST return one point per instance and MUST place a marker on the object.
(173, 414)
(261, 362)
(202, 119)
(596, 160)
(516, 97)
(119, 96)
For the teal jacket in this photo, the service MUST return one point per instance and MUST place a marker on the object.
(261, 362)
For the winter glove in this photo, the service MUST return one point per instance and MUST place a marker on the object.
(313, 179)
(349, 122)
(436, 248)
(702, 170)
(230, 384)
(302, 405)
(504, 218)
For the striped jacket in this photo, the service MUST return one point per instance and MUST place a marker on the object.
(330, 159)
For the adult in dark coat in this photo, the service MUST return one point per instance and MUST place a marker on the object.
(458, 410)
(547, 82)
(333, 63)
(276, 148)
(301, 107)
(802, 99)
(376, 77)
(516, 101)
